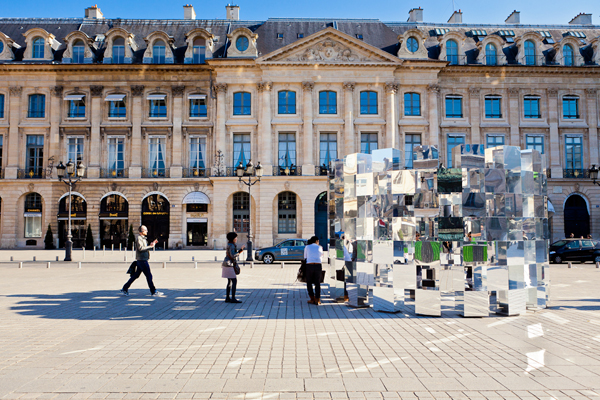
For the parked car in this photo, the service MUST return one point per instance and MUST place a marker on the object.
(574, 250)
(288, 250)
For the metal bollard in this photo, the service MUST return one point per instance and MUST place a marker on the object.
(164, 245)
(79, 265)
(112, 248)
(164, 264)
(570, 264)
(216, 258)
(48, 265)
(193, 258)
(195, 264)
(33, 258)
(251, 264)
(56, 258)
(11, 258)
(20, 264)
(103, 250)
(120, 245)
(94, 251)
(125, 257)
(598, 265)
(282, 264)
(83, 248)
(170, 258)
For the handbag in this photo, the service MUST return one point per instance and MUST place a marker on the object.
(301, 276)
(132, 268)
(227, 263)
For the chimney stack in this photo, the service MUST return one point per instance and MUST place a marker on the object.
(582, 19)
(233, 12)
(188, 12)
(514, 18)
(456, 17)
(415, 15)
(94, 12)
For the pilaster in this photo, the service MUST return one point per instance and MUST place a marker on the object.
(55, 115)
(475, 115)
(12, 145)
(308, 156)
(96, 146)
(265, 135)
(433, 92)
(349, 135)
(135, 168)
(220, 129)
(391, 120)
(514, 116)
(554, 146)
(592, 113)
(176, 137)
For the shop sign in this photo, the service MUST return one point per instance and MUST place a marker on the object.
(155, 213)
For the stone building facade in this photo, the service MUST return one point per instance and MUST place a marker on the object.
(162, 111)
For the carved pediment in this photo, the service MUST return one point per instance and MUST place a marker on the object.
(329, 46)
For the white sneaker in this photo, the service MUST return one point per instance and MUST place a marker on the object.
(158, 294)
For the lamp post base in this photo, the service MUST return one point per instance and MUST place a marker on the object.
(249, 251)
(68, 249)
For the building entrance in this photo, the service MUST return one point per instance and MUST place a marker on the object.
(114, 214)
(197, 232)
(155, 215)
(78, 220)
(577, 217)
(321, 221)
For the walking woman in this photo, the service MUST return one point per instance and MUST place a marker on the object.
(313, 253)
(229, 272)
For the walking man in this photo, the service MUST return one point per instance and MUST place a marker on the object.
(142, 255)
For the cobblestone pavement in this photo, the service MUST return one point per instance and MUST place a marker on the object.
(67, 333)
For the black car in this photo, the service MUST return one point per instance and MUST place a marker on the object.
(574, 250)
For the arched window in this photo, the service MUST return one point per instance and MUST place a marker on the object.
(412, 104)
(242, 103)
(114, 214)
(412, 44)
(33, 215)
(241, 212)
(368, 102)
(114, 203)
(452, 52)
(198, 51)
(118, 51)
(491, 58)
(568, 55)
(327, 102)
(286, 102)
(38, 48)
(78, 205)
(78, 52)
(242, 43)
(529, 52)
(286, 212)
(158, 52)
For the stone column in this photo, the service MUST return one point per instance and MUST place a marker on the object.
(137, 150)
(176, 137)
(554, 146)
(514, 117)
(12, 144)
(220, 129)
(93, 168)
(592, 112)
(52, 136)
(391, 120)
(308, 151)
(475, 116)
(349, 135)
(265, 135)
(433, 91)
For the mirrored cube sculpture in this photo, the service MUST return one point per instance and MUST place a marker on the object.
(477, 231)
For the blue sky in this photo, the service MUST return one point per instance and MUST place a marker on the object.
(474, 11)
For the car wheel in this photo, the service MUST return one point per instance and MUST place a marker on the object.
(597, 259)
(557, 260)
(268, 258)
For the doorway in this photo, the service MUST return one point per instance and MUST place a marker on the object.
(155, 216)
(577, 217)
(321, 221)
(197, 233)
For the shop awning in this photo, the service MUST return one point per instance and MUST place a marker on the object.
(114, 97)
(156, 96)
(74, 97)
(196, 96)
(196, 198)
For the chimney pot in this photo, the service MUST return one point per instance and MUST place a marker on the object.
(415, 15)
(581, 19)
(513, 18)
(188, 12)
(93, 12)
(456, 17)
(233, 12)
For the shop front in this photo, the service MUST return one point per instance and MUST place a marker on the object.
(114, 216)
(155, 216)
(196, 210)
(78, 220)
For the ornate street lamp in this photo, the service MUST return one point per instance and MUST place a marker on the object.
(593, 171)
(70, 176)
(249, 171)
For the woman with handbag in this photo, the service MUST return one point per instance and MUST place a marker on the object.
(230, 269)
(313, 253)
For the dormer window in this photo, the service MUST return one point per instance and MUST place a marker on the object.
(452, 52)
(568, 55)
(300, 35)
(359, 36)
(158, 52)
(529, 52)
(491, 56)
(1, 46)
(280, 36)
(78, 52)
(199, 51)
(241, 44)
(412, 44)
(38, 48)
(118, 51)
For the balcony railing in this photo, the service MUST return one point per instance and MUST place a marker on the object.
(31, 173)
(196, 172)
(113, 173)
(290, 171)
(576, 173)
(155, 173)
(321, 170)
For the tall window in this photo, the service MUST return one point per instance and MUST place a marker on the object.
(38, 48)
(77, 107)
(286, 102)
(570, 107)
(242, 103)
(1, 148)
(491, 56)
(454, 106)
(78, 52)
(241, 149)
(493, 106)
(535, 142)
(568, 55)
(410, 141)
(287, 150)
(327, 102)
(574, 153)
(156, 159)
(494, 140)
(75, 149)
(412, 104)
(35, 155)
(33, 215)
(117, 108)
(116, 156)
(327, 149)
(199, 51)
(368, 102)
(453, 141)
(198, 106)
(158, 106)
(286, 211)
(531, 107)
(452, 52)
(37, 106)
(529, 52)
(368, 142)
(1, 105)
(241, 212)
(197, 154)
(158, 52)
(118, 51)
